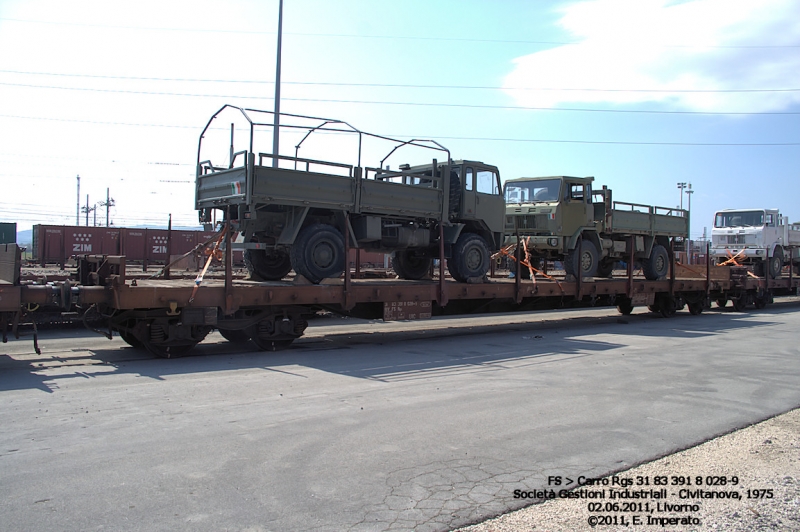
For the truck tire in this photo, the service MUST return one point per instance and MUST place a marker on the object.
(470, 258)
(585, 257)
(267, 266)
(656, 266)
(776, 263)
(408, 264)
(318, 253)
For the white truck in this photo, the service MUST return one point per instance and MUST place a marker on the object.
(761, 237)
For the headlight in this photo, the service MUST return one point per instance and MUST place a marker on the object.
(759, 252)
(552, 241)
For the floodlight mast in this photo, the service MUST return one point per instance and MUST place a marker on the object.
(277, 126)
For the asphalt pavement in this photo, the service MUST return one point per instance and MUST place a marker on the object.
(372, 426)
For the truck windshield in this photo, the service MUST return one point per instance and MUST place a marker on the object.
(739, 219)
(532, 191)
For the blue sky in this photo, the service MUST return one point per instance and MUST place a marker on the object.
(641, 94)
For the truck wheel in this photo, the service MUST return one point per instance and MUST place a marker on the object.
(267, 266)
(657, 265)
(776, 263)
(408, 264)
(470, 257)
(318, 253)
(585, 257)
(606, 267)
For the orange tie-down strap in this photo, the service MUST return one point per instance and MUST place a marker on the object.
(191, 251)
(508, 251)
(732, 261)
(213, 253)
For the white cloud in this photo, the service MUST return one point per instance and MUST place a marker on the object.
(709, 45)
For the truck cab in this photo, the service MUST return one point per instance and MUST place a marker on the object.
(753, 236)
(546, 208)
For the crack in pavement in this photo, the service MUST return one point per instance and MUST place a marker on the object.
(446, 494)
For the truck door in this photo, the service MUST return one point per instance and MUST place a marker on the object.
(576, 208)
(469, 200)
(489, 203)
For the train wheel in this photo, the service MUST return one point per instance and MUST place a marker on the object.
(695, 309)
(159, 341)
(624, 306)
(740, 303)
(130, 339)
(168, 351)
(318, 253)
(761, 302)
(470, 259)
(272, 344)
(235, 336)
(721, 302)
(408, 264)
(267, 266)
(668, 308)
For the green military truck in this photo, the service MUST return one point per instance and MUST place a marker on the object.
(294, 213)
(561, 218)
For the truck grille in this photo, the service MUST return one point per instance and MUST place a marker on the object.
(533, 221)
(735, 239)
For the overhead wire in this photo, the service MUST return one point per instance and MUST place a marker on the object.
(423, 104)
(392, 36)
(394, 85)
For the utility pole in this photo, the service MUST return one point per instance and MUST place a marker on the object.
(277, 125)
(109, 202)
(87, 210)
(78, 203)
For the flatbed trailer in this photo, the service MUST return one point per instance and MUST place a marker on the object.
(169, 317)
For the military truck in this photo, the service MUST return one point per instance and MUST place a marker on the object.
(562, 218)
(296, 213)
(759, 237)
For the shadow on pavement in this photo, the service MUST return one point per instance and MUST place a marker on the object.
(355, 353)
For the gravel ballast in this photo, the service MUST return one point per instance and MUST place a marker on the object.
(764, 458)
